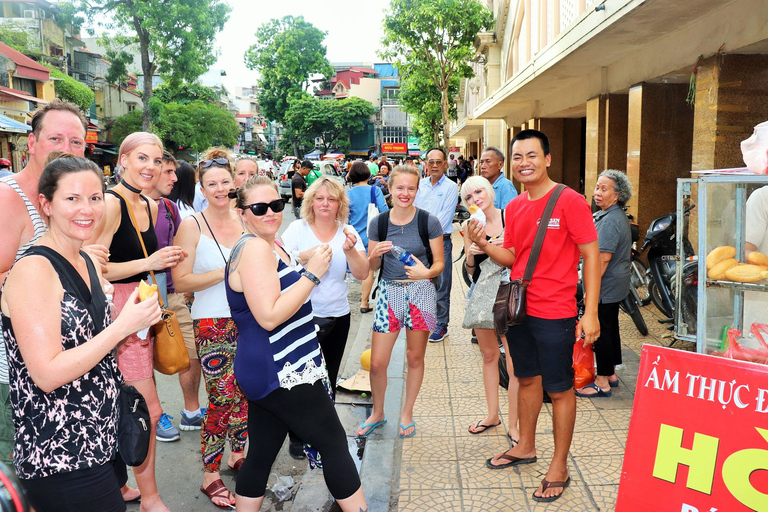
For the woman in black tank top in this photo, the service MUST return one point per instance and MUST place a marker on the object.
(140, 159)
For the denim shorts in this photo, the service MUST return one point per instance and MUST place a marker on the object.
(543, 347)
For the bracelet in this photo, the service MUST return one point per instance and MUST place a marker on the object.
(468, 265)
(309, 275)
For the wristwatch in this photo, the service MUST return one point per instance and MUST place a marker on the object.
(309, 275)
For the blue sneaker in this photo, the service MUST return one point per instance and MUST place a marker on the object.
(439, 335)
(194, 422)
(165, 431)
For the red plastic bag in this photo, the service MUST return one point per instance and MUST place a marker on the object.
(757, 332)
(736, 351)
(583, 364)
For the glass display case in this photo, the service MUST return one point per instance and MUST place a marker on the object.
(731, 210)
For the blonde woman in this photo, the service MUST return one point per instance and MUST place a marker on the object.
(406, 295)
(323, 220)
(478, 191)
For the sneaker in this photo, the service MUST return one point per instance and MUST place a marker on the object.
(166, 432)
(439, 334)
(194, 422)
(296, 450)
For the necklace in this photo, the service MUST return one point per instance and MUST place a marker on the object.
(130, 187)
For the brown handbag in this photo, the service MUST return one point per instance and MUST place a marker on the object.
(170, 352)
(517, 289)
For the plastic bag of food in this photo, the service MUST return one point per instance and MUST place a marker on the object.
(737, 351)
(754, 150)
(583, 364)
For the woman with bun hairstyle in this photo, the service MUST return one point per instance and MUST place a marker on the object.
(64, 380)
(140, 158)
(207, 237)
(279, 365)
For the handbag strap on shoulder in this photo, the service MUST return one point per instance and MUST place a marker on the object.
(541, 232)
(141, 240)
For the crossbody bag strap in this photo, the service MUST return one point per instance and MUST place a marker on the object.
(541, 232)
(141, 240)
(214, 238)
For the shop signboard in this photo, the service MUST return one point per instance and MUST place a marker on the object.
(413, 143)
(91, 137)
(394, 148)
(698, 437)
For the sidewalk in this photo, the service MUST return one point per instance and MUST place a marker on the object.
(443, 466)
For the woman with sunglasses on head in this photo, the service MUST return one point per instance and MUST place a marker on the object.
(406, 295)
(140, 158)
(324, 221)
(279, 364)
(64, 381)
(208, 237)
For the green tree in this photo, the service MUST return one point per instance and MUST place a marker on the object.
(67, 88)
(286, 53)
(420, 98)
(435, 37)
(332, 120)
(125, 125)
(175, 37)
(16, 38)
(185, 93)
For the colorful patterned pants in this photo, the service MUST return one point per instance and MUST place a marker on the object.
(227, 414)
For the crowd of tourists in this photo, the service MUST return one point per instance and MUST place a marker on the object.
(265, 316)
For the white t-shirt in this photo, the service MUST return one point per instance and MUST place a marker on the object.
(756, 232)
(329, 298)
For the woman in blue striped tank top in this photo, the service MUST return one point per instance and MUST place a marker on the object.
(279, 365)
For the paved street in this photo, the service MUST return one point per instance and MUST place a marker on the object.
(443, 466)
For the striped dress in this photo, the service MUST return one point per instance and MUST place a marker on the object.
(284, 357)
(40, 229)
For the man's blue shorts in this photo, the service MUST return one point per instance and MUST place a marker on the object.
(544, 347)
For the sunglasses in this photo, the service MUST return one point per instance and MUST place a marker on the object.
(218, 161)
(259, 209)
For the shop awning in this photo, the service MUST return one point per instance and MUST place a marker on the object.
(8, 124)
(359, 151)
(19, 95)
(25, 67)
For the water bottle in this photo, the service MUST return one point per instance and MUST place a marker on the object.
(404, 256)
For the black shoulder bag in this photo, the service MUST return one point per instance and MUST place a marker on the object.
(517, 288)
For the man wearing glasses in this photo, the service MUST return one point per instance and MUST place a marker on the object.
(439, 195)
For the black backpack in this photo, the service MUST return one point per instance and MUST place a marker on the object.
(423, 220)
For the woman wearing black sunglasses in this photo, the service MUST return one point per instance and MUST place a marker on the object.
(278, 364)
(207, 237)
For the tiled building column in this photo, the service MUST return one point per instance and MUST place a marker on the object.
(659, 145)
(606, 137)
(565, 145)
(731, 98)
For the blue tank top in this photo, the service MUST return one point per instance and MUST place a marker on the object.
(285, 357)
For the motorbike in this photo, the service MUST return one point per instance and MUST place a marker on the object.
(662, 256)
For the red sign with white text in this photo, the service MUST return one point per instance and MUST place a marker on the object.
(394, 147)
(698, 437)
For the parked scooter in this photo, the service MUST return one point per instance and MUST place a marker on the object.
(662, 256)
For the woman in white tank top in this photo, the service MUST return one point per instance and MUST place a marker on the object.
(207, 237)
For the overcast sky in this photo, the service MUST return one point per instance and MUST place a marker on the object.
(353, 26)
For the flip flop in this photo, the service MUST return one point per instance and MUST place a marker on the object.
(513, 461)
(371, 427)
(512, 440)
(545, 484)
(600, 393)
(406, 427)
(480, 426)
(613, 383)
(217, 491)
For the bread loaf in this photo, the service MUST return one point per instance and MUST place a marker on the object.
(719, 254)
(718, 271)
(758, 258)
(744, 273)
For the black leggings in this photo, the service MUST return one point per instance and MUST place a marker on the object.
(608, 345)
(308, 411)
(333, 340)
(94, 488)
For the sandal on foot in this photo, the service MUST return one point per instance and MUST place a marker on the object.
(613, 383)
(406, 427)
(545, 484)
(237, 465)
(513, 461)
(217, 491)
(513, 440)
(600, 393)
(371, 427)
(480, 426)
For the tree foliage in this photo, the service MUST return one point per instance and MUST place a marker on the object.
(175, 37)
(67, 88)
(434, 38)
(16, 38)
(286, 53)
(125, 125)
(420, 97)
(333, 120)
(184, 93)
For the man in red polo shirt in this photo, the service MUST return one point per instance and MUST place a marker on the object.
(542, 346)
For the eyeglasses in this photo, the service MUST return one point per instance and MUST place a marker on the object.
(218, 161)
(435, 162)
(259, 209)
